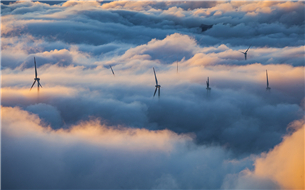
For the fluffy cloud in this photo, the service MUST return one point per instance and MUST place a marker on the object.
(135, 20)
(93, 155)
(89, 129)
(281, 167)
(98, 156)
(184, 105)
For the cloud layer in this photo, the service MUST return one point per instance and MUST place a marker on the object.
(89, 129)
(90, 155)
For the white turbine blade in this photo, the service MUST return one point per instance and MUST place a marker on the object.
(32, 84)
(35, 68)
(155, 91)
(155, 76)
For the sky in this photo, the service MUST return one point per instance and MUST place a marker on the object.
(90, 129)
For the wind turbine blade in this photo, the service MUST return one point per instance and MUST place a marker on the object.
(32, 84)
(39, 84)
(35, 68)
(155, 76)
(242, 52)
(248, 48)
(155, 91)
(159, 92)
(112, 70)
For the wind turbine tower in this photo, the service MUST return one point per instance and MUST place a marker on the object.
(36, 78)
(208, 84)
(268, 88)
(157, 85)
(245, 53)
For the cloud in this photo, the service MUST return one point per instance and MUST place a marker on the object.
(47, 113)
(173, 47)
(92, 155)
(89, 129)
(285, 162)
(281, 167)
(158, 19)
(184, 106)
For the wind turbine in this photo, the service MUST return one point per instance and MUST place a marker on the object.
(36, 79)
(157, 85)
(112, 70)
(208, 84)
(268, 88)
(245, 53)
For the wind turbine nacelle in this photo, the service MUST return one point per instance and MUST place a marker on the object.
(158, 86)
(36, 78)
(208, 88)
(268, 88)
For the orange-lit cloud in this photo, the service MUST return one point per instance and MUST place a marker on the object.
(20, 123)
(282, 167)
(285, 163)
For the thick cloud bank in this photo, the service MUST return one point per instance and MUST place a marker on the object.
(110, 28)
(90, 155)
(88, 128)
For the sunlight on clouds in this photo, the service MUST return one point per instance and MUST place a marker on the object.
(129, 5)
(11, 24)
(9, 94)
(88, 128)
(127, 138)
(178, 12)
(17, 122)
(280, 168)
(81, 4)
(285, 163)
(174, 43)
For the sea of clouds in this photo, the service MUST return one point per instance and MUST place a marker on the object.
(90, 129)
